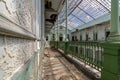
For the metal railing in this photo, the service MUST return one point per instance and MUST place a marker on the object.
(88, 52)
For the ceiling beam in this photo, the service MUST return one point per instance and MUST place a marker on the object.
(103, 6)
(86, 13)
(78, 18)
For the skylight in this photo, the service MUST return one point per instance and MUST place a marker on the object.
(83, 11)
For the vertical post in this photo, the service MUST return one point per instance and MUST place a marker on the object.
(43, 20)
(41, 43)
(51, 35)
(54, 35)
(111, 62)
(66, 20)
(57, 32)
(66, 39)
(114, 23)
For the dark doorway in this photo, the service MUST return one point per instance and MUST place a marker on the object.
(87, 37)
(107, 33)
(72, 38)
(46, 38)
(61, 37)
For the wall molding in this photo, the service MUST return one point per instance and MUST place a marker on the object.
(8, 27)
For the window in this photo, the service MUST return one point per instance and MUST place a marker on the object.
(87, 38)
(95, 36)
(73, 38)
(80, 37)
(107, 34)
(60, 37)
(46, 38)
(76, 38)
(83, 11)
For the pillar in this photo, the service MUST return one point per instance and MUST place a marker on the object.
(66, 38)
(111, 54)
(57, 32)
(114, 23)
(54, 36)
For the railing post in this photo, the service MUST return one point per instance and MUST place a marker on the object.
(54, 36)
(111, 54)
(57, 32)
(66, 47)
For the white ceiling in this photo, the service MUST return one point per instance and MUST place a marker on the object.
(56, 8)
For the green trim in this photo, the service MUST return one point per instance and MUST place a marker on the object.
(114, 28)
(66, 38)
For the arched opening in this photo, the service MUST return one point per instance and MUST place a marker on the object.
(95, 36)
(46, 38)
(107, 33)
(61, 37)
(87, 37)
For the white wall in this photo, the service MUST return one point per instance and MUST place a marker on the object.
(60, 31)
(100, 29)
(101, 32)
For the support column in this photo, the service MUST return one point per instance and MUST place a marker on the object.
(57, 30)
(114, 23)
(111, 55)
(66, 39)
(57, 33)
(54, 36)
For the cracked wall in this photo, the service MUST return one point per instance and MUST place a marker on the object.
(21, 12)
(18, 59)
(14, 52)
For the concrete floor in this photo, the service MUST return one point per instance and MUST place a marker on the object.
(56, 67)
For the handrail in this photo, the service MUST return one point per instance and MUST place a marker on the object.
(88, 52)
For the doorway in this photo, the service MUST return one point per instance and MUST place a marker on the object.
(107, 33)
(61, 37)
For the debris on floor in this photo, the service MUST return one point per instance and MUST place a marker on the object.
(56, 67)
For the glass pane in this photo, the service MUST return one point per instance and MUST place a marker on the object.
(84, 11)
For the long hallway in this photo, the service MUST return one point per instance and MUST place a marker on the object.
(59, 39)
(56, 67)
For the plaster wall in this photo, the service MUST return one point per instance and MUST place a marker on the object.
(99, 29)
(18, 53)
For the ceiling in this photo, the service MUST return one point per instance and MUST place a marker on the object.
(81, 12)
(52, 8)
